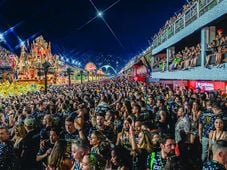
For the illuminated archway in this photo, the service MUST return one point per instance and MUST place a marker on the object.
(107, 67)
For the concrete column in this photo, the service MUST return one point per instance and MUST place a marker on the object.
(169, 53)
(167, 58)
(204, 38)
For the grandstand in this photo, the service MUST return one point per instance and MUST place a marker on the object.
(191, 48)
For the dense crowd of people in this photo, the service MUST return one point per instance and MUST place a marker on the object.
(190, 57)
(176, 16)
(217, 49)
(183, 60)
(113, 124)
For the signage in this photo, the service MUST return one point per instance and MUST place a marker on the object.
(141, 70)
(205, 86)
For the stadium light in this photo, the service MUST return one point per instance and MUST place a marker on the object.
(100, 14)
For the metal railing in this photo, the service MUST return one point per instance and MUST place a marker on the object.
(194, 12)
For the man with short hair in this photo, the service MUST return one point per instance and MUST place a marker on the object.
(79, 149)
(219, 156)
(136, 111)
(100, 126)
(157, 160)
(71, 133)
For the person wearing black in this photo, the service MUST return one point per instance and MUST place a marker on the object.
(7, 155)
(46, 149)
(69, 134)
(158, 160)
(30, 146)
(106, 131)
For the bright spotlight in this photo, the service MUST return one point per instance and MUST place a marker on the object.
(100, 14)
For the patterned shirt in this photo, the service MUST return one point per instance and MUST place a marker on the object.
(155, 161)
(207, 120)
(69, 137)
(213, 165)
(7, 156)
(76, 166)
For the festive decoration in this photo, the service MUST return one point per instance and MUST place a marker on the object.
(18, 88)
(90, 67)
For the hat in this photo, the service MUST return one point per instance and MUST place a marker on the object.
(29, 122)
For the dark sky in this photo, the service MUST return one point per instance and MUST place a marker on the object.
(133, 22)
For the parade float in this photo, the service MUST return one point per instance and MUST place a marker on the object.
(23, 73)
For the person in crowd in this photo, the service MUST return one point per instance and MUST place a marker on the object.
(182, 124)
(70, 134)
(217, 134)
(47, 125)
(90, 161)
(206, 122)
(157, 160)
(219, 160)
(19, 134)
(80, 148)
(123, 136)
(155, 139)
(140, 148)
(45, 150)
(30, 146)
(8, 159)
(95, 141)
(120, 159)
(194, 119)
(100, 126)
(58, 157)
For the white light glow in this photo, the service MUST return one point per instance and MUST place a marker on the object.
(100, 14)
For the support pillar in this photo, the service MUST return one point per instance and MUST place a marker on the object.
(204, 41)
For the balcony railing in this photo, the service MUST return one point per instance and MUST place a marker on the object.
(190, 15)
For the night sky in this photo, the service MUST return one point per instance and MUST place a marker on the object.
(132, 21)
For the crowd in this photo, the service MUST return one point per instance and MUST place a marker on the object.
(115, 124)
(175, 17)
(190, 57)
(217, 49)
(185, 59)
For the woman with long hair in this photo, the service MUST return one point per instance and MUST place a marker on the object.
(140, 148)
(19, 134)
(123, 136)
(217, 134)
(95, 141)
(120, 159)
(195, 113)
(57, 159)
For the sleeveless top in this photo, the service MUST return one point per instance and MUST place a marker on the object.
(214, 137)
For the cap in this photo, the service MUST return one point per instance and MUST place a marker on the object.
(29, 122)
